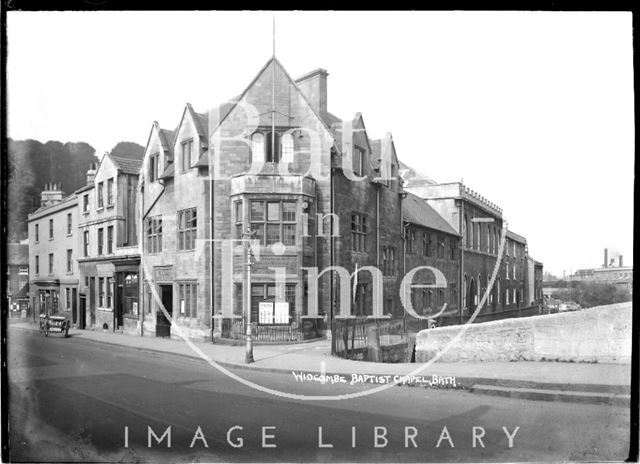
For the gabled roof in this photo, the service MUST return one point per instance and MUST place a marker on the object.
(127, 165)
(166, 139)
(22, 293)
(417, 211)
(235, 101)
(17, 254)
(413, 178)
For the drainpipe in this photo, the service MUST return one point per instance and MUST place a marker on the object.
(211, 283)
(461, 272)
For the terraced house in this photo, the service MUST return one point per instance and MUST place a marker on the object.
(107, 241)
(53, 270)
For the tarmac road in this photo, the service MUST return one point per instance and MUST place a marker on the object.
(77, 400)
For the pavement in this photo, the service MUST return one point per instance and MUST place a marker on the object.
(594, 383)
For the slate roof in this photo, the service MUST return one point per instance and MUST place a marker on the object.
(127, 165)
(166, 138)
(417, 211)
(22, 293)
(17, 253)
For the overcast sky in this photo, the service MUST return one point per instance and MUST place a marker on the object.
(533, 110)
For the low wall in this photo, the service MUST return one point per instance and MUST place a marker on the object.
(601, 334)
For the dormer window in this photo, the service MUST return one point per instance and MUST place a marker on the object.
(153, 167)
(187, 149)
(358, 158)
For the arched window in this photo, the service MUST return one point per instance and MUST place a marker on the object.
(479, 293)
(287, 148)
(496, 241)
(257, 146)
(498, 291)
(490, 292)
(477, 235)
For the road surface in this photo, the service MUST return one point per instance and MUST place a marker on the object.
(77, 400)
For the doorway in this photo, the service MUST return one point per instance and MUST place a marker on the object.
(92, 301)
(74, 306)
(163, 324)
(83, 312)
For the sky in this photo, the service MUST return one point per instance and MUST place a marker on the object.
(533, 110)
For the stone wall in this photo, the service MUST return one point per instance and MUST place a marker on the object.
(601, 334)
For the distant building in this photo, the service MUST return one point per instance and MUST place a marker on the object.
(53, 270)
(612, 271)
(479, 223)
(17, 276)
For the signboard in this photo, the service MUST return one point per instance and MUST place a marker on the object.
(265, 312)
(281, 313)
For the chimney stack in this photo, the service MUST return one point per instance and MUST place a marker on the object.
(606, 258)
(51, 194)
(620, 261)
(91, 173)
(313, 86)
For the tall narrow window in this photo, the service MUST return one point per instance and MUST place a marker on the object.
(187, 229)
(101, 292)
(359, 230)
(110, 191)
(85, 203)
(441, 247)
(110, 239)
(109, 291)
(100, 194)
(37, 266)
(85, 244)
(187, 148)
(257, 147)
(238, 218)
(287, 148)
(410, 239)
(69, 224)
(50, 229)
(153, 167)
(100, 241)
(50, 263)
(37, 232)
(69, 261)
(358, 162)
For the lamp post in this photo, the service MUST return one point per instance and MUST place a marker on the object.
(247, 237)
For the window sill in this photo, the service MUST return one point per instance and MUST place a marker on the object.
(85, 213)
(111, 206)
(100, 209)
(51, 239)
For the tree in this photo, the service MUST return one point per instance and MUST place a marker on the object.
(31, 165)
(129, 150)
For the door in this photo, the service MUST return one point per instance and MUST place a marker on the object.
(119, 300)
(92, 301)
(74, 306)
(83, 312)
(163, 324)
